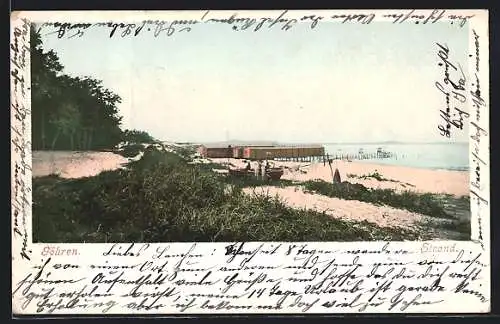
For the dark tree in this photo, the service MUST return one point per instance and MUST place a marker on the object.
(69, 113)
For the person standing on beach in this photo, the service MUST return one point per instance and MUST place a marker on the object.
(336, 176)
(263, 171)
(257, 169)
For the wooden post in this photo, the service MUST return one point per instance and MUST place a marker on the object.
(331, 170)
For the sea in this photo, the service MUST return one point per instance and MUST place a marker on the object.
(447, 156)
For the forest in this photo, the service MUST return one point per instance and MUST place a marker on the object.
(72, 113)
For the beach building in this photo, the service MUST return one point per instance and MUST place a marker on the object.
(260, 152)
(227, 150)
(215, 151)
(295, 151)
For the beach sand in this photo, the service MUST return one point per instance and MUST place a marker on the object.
(412, 179)
(69, 164)
(354, 210)
(454, 183)
(85, 164)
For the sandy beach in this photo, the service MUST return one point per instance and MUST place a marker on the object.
(86, 164)
(69, 164)
(454, 183)
(383, 216)
(404, 178)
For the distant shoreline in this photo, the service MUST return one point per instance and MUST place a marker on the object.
(451, 168)
(398, 143)
(240, 142)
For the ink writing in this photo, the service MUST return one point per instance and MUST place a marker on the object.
(258, 277)
(21, 146)
(284, 20)
(478, 137)
(452, 86)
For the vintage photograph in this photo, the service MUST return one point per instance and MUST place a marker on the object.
(332, 133)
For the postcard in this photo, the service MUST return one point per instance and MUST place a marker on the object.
(239, 162)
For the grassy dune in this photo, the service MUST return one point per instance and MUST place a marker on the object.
(162, 198)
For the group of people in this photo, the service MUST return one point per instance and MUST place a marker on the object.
(260, 170)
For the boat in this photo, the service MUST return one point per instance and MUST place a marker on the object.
(274, 173)
(241, 172)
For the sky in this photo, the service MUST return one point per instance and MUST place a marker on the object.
(335, 83)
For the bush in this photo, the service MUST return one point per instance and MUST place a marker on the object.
(131, 150)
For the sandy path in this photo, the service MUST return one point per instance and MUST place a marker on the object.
(383, 216)
(69, 164)
(419, 180)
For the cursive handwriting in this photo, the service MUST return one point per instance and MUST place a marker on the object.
(21, 146)
(309, 279)
(479, 136)
(282, 20)
(453, 88)
(411, 16)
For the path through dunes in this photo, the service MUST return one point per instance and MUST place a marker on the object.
(74, 164)
(380, 215)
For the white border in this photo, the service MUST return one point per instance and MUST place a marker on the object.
(451, 302)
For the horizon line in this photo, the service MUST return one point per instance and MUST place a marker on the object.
(320, 142)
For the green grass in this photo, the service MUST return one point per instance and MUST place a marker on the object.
(162, 198)
(463, 227)
(451, 229)
(251, 181)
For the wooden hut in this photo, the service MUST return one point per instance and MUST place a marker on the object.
(262, 153)
(238, 152)
(215, 151)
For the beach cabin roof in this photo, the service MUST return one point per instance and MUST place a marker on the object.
(292, 146)
(259, 145)
(236, 144)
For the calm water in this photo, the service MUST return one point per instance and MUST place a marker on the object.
(429, 156)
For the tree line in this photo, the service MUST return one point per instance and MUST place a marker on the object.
(72, 113)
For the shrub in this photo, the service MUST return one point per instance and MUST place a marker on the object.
(130, 150)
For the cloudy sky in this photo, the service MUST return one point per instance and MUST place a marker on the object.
(335, 83)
